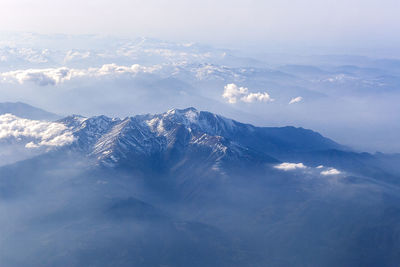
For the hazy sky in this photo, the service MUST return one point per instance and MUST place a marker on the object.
(352, 23)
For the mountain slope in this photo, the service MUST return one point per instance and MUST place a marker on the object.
(26, 111)
(133, 216)
(188, 187)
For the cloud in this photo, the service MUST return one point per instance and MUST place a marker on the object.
(296, 100)
(287, 166)
(76, 55)
(261, 97)
(41, 77)
(232, 93)
(12, 55)
(54, 76)
(35, 133)
(331, 171)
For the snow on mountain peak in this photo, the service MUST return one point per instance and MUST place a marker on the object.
(175, 132)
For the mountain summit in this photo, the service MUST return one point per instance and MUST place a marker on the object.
(180, 133)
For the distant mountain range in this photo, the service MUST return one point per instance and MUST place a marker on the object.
(90, 74)
(23, 110)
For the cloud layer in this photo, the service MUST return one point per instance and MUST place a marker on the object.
(233, 93)
(322, 170)
(34, 133)
(54, 76)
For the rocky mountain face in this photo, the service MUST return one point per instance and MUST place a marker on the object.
(176, 134)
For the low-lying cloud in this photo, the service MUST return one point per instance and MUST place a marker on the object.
(287, 166)
(233, 93)
(331, 171)
(54, 76)
(260, 97)
(35, 133)
(296, 100)
(322, 170)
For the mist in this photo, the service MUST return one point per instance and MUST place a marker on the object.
(70, 211)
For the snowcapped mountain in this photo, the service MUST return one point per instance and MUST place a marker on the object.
(178, 138)
(134, 191)
(184, 133)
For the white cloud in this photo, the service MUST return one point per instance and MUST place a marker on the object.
(287, 166)
(232, 93)
(331, 171)
(35, 133)
(261, 97)
(41, 77)
(296, 100)
(73, 55)
(54, 76)
(12, 54)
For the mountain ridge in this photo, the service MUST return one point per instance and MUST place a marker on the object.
(167, 140)
(27, 111)
(183, 128)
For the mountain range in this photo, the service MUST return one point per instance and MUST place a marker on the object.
(129, 76)
(191, 188)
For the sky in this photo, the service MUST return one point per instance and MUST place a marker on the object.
(346, 25)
